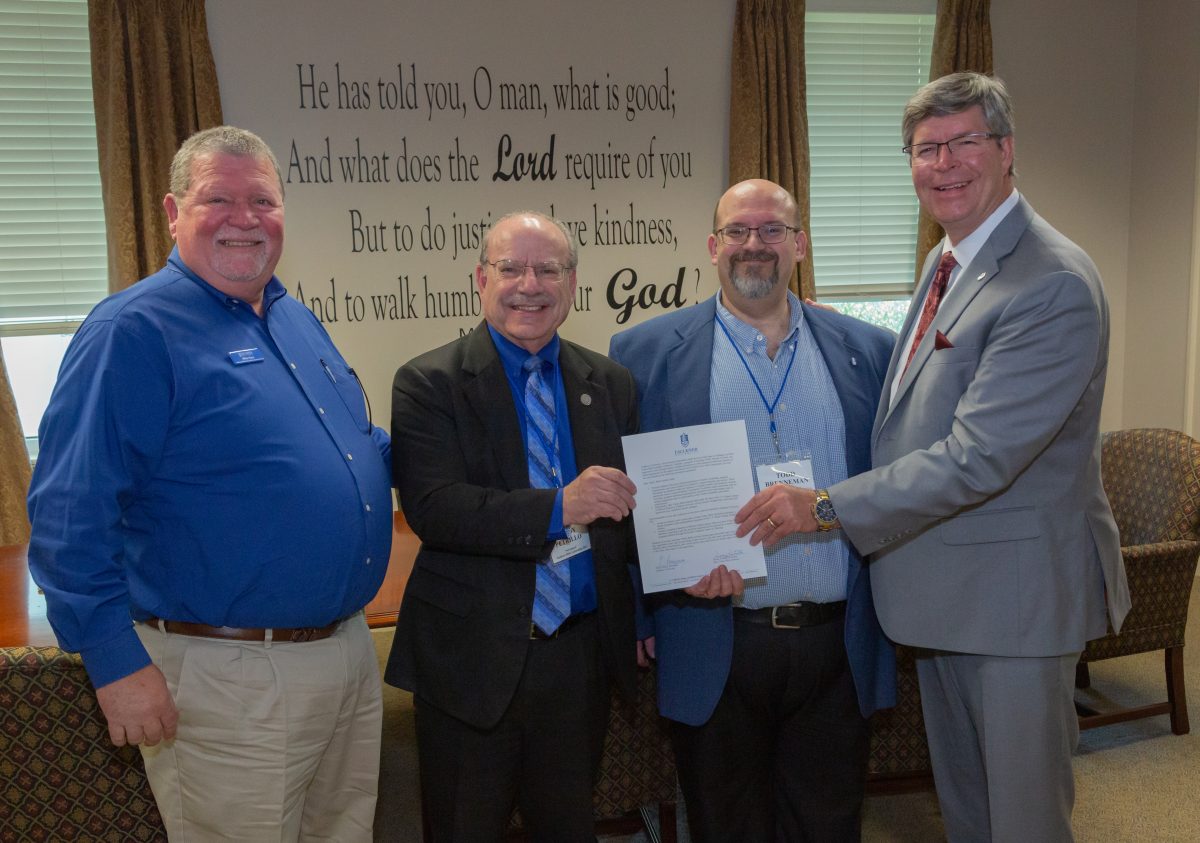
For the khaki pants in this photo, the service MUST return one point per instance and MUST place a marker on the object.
(276, 742)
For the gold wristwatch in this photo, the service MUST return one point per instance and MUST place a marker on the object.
(823, 512)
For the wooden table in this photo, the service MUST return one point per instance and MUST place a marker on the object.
(23, 608)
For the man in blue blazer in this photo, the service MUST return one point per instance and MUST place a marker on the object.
(993, 547)
(769, 682)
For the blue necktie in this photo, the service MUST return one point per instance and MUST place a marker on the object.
(552, 597)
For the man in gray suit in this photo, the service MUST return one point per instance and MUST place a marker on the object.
(993, 547)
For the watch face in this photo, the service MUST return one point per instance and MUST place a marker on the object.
(825, 512)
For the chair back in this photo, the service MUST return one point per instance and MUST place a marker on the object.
(1152, 480)
(63, 778)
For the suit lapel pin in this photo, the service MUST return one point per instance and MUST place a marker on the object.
(585, 400)
(982, 275)
(853, 361)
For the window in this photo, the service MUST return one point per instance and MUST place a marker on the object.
(861, 68)
(33, 363)
(53, 256)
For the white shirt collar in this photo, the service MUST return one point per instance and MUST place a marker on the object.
(967, 248)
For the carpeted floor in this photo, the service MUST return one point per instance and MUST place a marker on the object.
(1136, 782)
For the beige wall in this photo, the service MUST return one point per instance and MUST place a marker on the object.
(1106, 94)
(1162, 206)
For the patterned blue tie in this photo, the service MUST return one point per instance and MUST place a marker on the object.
(552, 597)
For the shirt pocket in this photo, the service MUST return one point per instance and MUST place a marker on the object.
(346, 385)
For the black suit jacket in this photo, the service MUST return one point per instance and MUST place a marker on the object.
(460, 469)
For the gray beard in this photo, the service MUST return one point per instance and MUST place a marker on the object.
(752, 286)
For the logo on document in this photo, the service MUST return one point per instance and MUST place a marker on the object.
(683, 439)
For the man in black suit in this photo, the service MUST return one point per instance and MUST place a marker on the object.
(502, 440)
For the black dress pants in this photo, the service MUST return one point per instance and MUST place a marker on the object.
(783, 757)
(543, 755)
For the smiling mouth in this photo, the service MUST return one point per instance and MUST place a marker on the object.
(238, 243)
(956, 186)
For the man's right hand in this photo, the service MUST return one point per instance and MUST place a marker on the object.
(720, 582)
(139, 708)
(598, 492)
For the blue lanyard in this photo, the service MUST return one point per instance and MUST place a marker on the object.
(769, 405)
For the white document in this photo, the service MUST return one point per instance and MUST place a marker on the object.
(691, 482)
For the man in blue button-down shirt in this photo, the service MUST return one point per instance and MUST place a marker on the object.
(211, 511)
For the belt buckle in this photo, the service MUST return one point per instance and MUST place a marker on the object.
(302, 635)
(776, 623)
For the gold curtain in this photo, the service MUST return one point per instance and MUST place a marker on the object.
(154, 83)
(14, 467)
(962, 40)
(768, 111)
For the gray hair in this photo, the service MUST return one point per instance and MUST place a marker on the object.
(956, 93)
(219, 140)
(572, 245)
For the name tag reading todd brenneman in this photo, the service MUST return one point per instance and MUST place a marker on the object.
(246, 355)
(576, 542)
(792, 473)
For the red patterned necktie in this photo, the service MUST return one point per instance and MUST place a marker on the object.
(937, 289)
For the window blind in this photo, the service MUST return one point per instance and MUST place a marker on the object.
(861, 69)
(53, 256)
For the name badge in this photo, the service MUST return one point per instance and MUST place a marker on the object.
(246, 355)
(576, 542)
(796, 473)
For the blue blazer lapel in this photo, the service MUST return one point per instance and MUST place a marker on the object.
(850, 381)
(689, 365)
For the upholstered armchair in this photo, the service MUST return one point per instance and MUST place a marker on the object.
(638, 765)
(1152, 479)
(60, 777)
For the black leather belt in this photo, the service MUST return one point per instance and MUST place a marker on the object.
(792, 615)
(571, 622)
(232, 633)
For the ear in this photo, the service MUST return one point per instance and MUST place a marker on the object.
(801, 246)
(714, 246)
(1008, 152)
(171, 206)
(480, 278)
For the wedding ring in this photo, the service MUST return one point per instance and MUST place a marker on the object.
(774, 526)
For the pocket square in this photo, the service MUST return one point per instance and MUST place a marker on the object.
(940, 342)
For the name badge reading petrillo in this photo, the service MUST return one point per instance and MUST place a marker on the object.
(246, 355)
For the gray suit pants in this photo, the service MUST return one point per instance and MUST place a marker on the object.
(1001, 732)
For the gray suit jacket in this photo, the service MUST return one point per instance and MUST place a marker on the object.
(985, 517)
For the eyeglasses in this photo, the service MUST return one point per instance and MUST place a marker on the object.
(771, 233)
(548, 272)
(961, 146)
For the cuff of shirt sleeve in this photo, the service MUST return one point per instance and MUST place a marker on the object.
(115, 659)
(556, 531)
